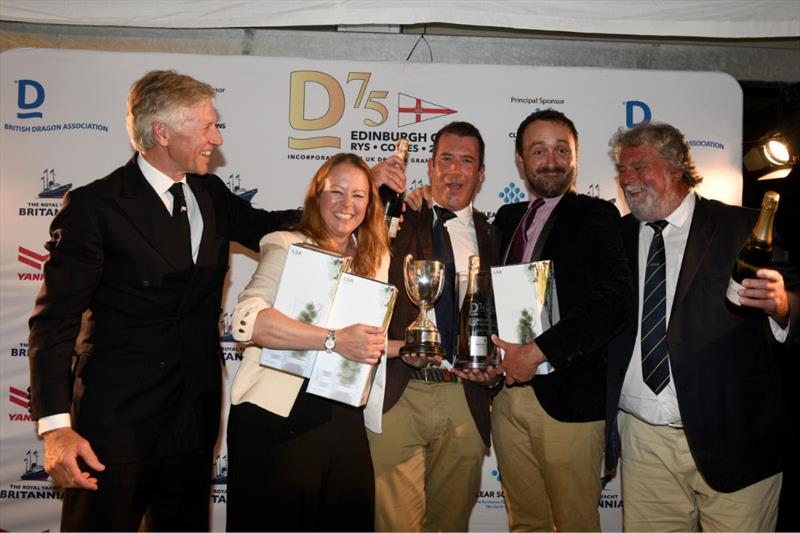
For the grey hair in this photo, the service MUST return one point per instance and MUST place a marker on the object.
(161, 96)
(667, 140)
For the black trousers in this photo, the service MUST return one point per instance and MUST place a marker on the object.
(309, 472)
(172, 491)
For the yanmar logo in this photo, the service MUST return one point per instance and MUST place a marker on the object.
(34, 260)
(22, 399)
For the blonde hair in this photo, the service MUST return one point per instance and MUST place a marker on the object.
(161, 96)
(373, 242)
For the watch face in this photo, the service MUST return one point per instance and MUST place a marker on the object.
(330, 341)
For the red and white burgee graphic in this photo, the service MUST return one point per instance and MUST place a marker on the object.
(411, 110)
(31, 258)
(19, 397)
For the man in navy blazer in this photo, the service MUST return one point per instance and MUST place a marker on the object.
(702, 443)
(548, 427)
(148, 259)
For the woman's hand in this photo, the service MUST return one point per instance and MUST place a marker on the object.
(360, 343)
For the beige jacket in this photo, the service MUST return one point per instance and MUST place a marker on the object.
(270, 389)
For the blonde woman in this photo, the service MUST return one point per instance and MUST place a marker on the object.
(298, 462)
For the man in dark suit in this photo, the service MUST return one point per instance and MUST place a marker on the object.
(698, 392)
(145, 249)
(435, 429)
(548, 427)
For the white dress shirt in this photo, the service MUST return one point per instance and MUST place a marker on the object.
(461, 229)
(161, 183)
(637, 398)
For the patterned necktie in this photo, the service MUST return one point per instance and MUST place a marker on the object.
(445, 307)
(180, 219)
(516, 250)
(655, 363)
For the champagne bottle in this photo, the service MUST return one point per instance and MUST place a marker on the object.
(757, 251)
(392, 200)
(474, 326)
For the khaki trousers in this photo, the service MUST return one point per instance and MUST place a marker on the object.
(662, 490)
(427, 460)
(550, 470)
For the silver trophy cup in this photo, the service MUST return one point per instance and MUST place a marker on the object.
(424, 282)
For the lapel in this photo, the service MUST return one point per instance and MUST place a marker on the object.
(424, 232)
(563, 205)
(630, 238)
(142, 206)
(515, 214)
(623, 344)
(208, 251)
(484, 236)
(701, 235)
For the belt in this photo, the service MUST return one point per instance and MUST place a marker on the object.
(434, 375)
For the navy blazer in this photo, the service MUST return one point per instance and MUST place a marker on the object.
(153, 365)
(727, 383)
(595, 295)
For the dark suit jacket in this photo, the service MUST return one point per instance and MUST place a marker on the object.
(415, 238)
(725, 377)
(152, 383)
(595, 295)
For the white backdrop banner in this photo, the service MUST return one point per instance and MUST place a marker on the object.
(62, 115)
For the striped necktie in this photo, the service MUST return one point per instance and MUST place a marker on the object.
(655, 362)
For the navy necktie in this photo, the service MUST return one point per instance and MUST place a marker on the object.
(180, 220)
(516, 250)
(445, 307)
(655, 361)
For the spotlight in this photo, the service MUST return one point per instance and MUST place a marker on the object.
(776, 151)
(772, 153)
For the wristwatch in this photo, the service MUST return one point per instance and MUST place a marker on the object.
(330, 341)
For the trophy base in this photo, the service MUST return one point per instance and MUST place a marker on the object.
(472, 364)
(424, 341)
(422, 348)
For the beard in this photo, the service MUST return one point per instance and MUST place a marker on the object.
(648, 206)
(549, 182)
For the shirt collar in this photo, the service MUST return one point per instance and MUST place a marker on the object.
(683, 212)
(159, 181)
(463, 215)
(548, 202)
